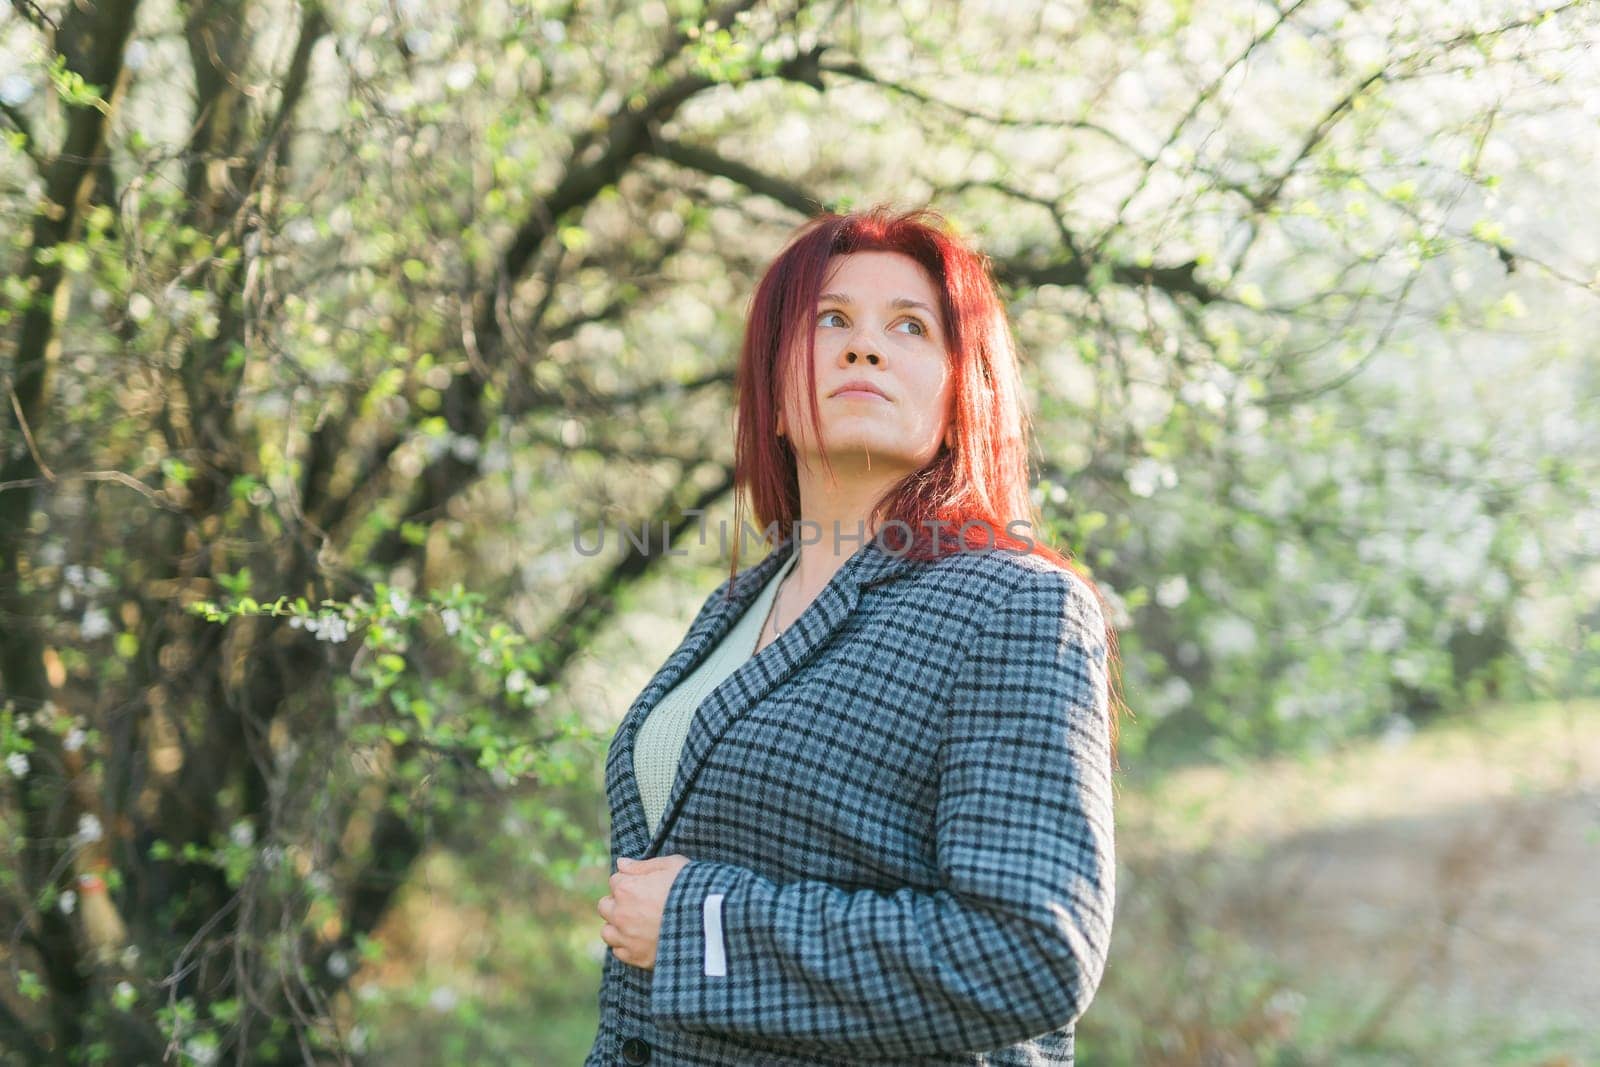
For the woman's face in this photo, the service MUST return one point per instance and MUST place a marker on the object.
(877, 322)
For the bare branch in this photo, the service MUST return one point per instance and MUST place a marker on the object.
(792, 196)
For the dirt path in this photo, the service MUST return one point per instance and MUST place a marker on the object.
(1459, 867)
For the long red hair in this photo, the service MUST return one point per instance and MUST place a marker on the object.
(973, 493)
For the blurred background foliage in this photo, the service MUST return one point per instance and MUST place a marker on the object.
(329, 336)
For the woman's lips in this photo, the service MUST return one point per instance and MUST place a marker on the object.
(859, 394)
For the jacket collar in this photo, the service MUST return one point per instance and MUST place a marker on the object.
(870, 564)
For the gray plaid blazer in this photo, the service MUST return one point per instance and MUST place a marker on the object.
(898, 818)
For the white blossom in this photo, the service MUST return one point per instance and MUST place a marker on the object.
(15, 89)
(331, 628)
(17, 763)
(1386, 634)
(96, 624)
(201, 1050)
(1174, 695)
(452, 621)
(88, 828)
(1170, 592)
(1203, 394)
(1231, 636)
(1496, 585)
(496, 457)
(1251, 419)
(301, 231)
(1587, 525)
(1147, 474)
(242, 833)
(1409, 669)
(1120, 616)
(68, 901)
(1288, 559)
(74, 739)
(1278, 496)
(1339, 598)
(1528, 555)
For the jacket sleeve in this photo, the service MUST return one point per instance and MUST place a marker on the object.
(1013, 944)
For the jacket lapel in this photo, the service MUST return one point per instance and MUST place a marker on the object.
(741, 690)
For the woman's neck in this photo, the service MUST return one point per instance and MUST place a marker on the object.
(835, 518)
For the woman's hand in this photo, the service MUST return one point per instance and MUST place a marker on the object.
(633, 909)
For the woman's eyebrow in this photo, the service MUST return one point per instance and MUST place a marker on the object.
(897, 302)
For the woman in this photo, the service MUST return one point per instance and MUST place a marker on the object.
(863, 813)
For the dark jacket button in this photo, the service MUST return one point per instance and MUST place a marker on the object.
(635, 1051)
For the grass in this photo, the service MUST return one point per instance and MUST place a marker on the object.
(1379, 904)
(1418, 899)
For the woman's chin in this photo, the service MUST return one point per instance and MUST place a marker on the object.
(860, 451)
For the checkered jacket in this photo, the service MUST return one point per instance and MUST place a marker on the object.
(898, 818)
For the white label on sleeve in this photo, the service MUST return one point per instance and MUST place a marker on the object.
(716, 960)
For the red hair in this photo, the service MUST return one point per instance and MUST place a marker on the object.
(971, 493)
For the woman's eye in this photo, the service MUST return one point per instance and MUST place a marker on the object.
(922, 330)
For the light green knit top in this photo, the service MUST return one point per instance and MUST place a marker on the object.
(659, 739)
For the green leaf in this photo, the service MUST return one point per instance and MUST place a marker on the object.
(177, 470)
(574, 238)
